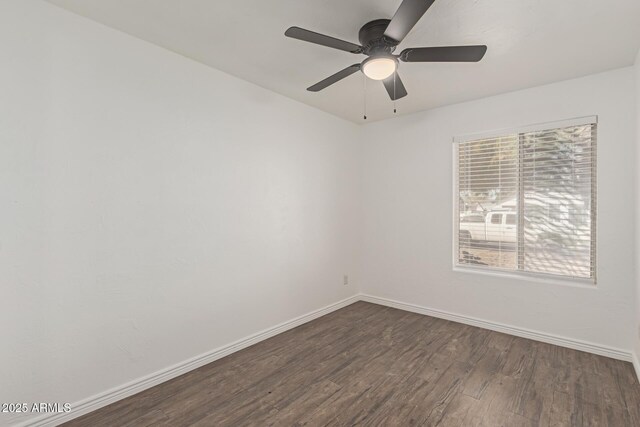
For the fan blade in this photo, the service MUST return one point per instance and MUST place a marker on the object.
(395, 92)
(334, 78)
(321, 39)
(444, 54)
(407, 15)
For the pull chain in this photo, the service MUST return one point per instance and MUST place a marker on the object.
(364, 99)
(394, 92)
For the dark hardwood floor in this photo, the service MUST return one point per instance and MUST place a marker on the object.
(372, 365)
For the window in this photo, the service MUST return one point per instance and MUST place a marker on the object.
(542, 180)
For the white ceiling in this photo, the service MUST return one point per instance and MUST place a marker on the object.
(531, 42)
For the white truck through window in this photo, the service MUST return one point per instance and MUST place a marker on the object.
(493, 226)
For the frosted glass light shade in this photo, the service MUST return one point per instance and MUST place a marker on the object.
(379, 68)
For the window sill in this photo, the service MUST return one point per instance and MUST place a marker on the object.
(529, 277)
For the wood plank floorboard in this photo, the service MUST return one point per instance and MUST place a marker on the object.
(372, 365)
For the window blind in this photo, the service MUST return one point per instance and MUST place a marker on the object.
(526, 201)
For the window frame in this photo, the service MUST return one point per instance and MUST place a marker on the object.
(587, 283)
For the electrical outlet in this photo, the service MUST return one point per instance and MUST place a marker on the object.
(345, 280)
(639, 331)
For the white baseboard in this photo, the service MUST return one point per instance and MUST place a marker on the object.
(636, 365)
(611, 352)
(136, 386)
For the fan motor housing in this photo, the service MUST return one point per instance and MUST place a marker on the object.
(372, 38)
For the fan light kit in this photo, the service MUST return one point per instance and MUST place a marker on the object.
(379, 39)
(379, 68)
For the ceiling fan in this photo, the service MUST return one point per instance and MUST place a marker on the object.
(379, 39)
